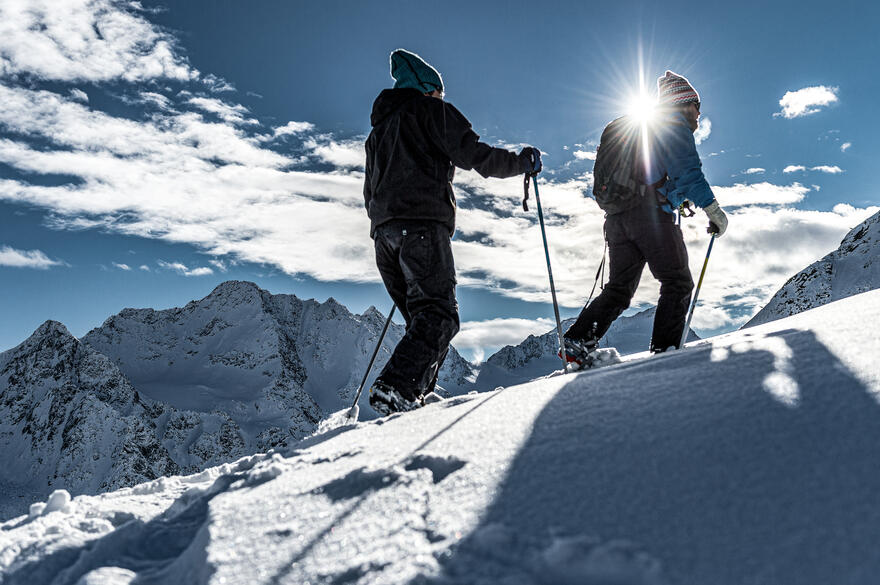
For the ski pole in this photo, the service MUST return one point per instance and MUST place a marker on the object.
(549, 270)
(352, 412)
(687, 324)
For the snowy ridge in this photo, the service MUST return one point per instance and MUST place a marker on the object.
(746, 458)
(537, 355)
(153, 393)
(851, 269)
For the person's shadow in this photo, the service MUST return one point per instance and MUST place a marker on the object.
(762, 469)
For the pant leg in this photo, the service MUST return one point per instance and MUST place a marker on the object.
(662, 244)
(426, 263)
(625, 265)
(387, 244)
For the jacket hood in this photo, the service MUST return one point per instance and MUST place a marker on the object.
(389, 101)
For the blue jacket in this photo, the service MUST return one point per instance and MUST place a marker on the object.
(673, 154)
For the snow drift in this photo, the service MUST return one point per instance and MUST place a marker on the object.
(746, 458)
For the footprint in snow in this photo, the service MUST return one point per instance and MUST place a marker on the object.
(440, 467)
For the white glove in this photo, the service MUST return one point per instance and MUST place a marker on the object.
(717, 219)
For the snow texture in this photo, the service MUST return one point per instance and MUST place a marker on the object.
(538, 355)
(156, 393)
(851, 269)
(745, 458)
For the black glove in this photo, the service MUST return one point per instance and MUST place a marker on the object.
(531, 158)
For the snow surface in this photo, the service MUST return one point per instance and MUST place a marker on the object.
(538, 355)
(749, 458)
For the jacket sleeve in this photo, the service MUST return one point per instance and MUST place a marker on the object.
(683, 166)
(452, 134)
(368, 177)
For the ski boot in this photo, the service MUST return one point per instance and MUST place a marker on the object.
(386, 400)
(579, 352)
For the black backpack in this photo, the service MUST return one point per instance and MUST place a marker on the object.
(618, 179)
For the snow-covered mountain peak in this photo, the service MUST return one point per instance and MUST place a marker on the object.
(232, 293)
(853, 268)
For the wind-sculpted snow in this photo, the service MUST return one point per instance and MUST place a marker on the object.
(746, 458)
(851, 269)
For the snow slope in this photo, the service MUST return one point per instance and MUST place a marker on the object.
(746, 458)
(851, 269)
(538, 355)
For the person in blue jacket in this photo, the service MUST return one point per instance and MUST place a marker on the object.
(648, 232)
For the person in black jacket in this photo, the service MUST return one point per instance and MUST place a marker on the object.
(417, 141)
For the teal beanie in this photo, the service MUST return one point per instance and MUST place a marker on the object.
(409, 70)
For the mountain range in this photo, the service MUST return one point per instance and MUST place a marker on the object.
(152, 393)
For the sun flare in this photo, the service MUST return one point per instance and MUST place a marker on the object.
(642, 108)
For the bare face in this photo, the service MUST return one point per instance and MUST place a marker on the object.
(692, 115)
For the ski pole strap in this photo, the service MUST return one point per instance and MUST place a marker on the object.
(526, 178)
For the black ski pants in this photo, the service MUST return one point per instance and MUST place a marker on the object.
(642, 235)
(415, 260)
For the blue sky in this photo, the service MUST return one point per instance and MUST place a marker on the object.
(150, 151)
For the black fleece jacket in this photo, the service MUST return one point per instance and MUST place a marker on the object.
(412, 151)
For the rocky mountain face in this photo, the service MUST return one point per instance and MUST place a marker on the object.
(537, 355)
(69, 418)
(851, 269)
(153, 393)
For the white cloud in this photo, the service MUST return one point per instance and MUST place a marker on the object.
(26, 259)
(293, 128)
(585, 154)
(79, 95)
(763, 193)
(832, 170)
(85, 40)
(122, 266)
(144, 267)
(348, 153)
(845, 146)
(754, 171)
(499, 332)
(233, 114)
(182, 269)
(703, 130)
(806, 101)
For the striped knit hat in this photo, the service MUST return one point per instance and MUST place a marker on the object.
(410, 70)
(673, 89)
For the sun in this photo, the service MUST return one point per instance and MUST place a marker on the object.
(641, 108)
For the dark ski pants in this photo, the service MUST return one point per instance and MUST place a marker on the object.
(416, 264)
(642, 235)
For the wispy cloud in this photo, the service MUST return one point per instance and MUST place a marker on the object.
(585, 154)
(806, 101)
(26, 259)
(122, 266)
(182, 269)
(763, 193)
(845, 146)
(830, 169)
(293, 128)
(754, 171)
